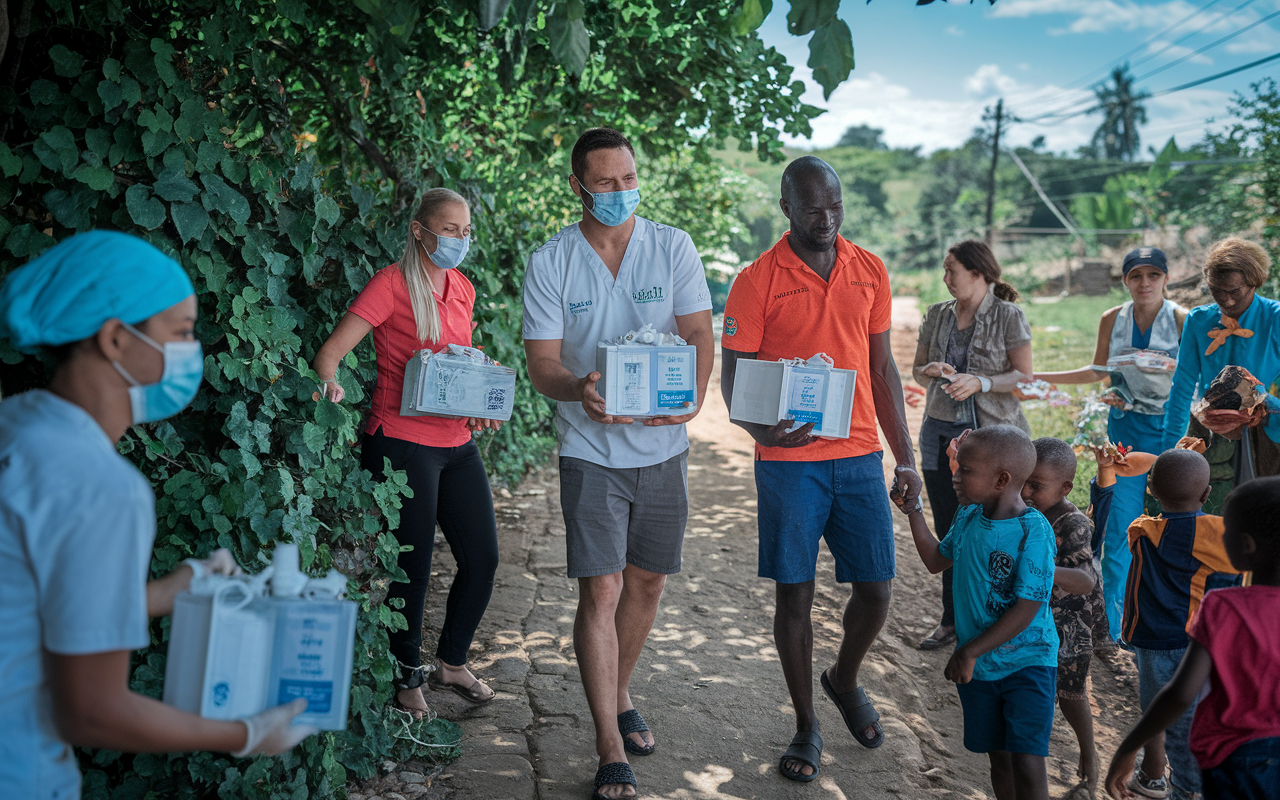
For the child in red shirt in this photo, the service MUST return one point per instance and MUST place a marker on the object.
(1235, 647)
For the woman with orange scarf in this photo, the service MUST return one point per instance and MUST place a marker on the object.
(1239, 329)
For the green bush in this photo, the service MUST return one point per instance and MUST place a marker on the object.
(274, 149)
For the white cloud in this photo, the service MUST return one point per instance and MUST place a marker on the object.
(1096, 16)
(953, 30)
(947, 120)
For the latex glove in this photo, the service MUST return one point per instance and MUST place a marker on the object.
(271, 732)
(219, 562)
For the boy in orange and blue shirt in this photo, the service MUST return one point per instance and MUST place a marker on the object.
(1177, 557)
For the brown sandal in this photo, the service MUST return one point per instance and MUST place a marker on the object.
(472, 693)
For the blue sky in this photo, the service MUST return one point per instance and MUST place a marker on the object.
(925, 73)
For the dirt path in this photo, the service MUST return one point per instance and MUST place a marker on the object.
(709, 682)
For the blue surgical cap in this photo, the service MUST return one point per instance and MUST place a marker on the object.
(69, 291)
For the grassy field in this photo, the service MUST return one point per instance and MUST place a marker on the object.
(1063, 336)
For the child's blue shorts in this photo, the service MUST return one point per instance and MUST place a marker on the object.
(1013, 714)
(843, 500)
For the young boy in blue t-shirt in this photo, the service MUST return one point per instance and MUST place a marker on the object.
(1006, 658)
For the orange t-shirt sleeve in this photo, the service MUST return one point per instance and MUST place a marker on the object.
(744, 314)
(376, 300)
(882, 305)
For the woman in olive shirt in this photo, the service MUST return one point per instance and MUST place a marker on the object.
(971, 353)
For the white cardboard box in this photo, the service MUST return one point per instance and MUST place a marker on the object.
(767, 392)
(438, 385)
(644, 380)
(229, 660)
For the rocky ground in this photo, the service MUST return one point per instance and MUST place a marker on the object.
(709, 682)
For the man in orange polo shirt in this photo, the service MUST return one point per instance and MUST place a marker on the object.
(816, 292)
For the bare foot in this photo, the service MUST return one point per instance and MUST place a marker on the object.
(413, 702)
(1088, 772)
(461, 676)
(796, 767)
(616, 791)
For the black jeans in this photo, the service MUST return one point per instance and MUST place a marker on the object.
(450, 487)
(943, 501)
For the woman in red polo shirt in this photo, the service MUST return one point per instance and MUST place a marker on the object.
(424, 302)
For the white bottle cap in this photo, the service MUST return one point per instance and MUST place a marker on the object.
(287, 579)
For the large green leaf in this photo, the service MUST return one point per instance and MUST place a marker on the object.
(146, 211)
(66, 63)
(190, 219)
(570, 42)
(831, 55)
(810, 15)
(223, 198)
(751, 15)
(173, 184)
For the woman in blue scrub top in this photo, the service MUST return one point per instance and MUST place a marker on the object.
(77, 520)
(1148, 322)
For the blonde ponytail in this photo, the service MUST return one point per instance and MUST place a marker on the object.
(421, 296)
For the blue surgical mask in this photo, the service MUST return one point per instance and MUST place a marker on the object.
(449, 251)
(183, 369)
(613, 208)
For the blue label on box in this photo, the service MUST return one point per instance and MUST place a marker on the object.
(674, 399)
(319, 694)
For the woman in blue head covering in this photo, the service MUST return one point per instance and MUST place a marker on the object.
(77, 520)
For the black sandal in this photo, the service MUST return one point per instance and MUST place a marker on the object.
(617, 772)
(858, 713)
(806, 747)
(632, 722)
(411, 678)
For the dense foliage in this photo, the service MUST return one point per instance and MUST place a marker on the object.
(274, 149)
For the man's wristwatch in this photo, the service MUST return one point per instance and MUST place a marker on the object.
(985, 382)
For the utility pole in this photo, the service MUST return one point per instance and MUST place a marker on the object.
(991, 176)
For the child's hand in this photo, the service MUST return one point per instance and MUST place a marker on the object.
(953, 451)
(1117, 784)
(1105, 456)
(1191, 443)
(960, 667)
(900, 490)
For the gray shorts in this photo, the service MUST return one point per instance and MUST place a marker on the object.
(615, 517)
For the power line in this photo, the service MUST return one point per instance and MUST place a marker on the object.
(1083, 78)
(1171, 45)
(1223, 74)
(1209, 46)
(1071, 109)
(1149, 40)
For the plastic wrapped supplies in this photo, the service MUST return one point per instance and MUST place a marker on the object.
(1041, 390)
(1091, 424)
(1153, 362)
(240, 645)
(457, 382)
(647, 373)
(807, 391)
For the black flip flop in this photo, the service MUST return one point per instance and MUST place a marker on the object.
(806, 747)
(930, 643)
(632, 722)
(858, 713)
(617, 772)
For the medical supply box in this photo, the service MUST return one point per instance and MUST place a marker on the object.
(457, 382)
(645, 380)
(767, 392)
(236, 649)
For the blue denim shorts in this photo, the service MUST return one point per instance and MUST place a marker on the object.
(1155, 669)
(1013, 714)
(842, 500)
(1251, 772)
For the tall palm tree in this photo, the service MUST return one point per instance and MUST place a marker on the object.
(1122, 112)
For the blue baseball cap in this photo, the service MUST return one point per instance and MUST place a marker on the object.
(1146, 257)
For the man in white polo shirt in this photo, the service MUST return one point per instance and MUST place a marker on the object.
(623, 485)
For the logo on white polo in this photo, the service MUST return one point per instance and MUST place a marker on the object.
(581, 307)
(653, 295)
